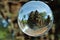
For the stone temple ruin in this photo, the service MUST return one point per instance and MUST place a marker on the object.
(35, 20)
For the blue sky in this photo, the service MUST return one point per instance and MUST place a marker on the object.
(32, 6)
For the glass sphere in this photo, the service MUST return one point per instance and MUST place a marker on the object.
(35, 18)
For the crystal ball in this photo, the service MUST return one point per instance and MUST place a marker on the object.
(35, 18)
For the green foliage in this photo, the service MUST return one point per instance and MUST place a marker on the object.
(43, 14)
(3, 32)
(24, 21)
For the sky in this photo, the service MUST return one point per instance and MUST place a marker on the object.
(33, 6)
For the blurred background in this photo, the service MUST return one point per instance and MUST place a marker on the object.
(9, 29)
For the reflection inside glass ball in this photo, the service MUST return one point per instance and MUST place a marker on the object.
(35, 18)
